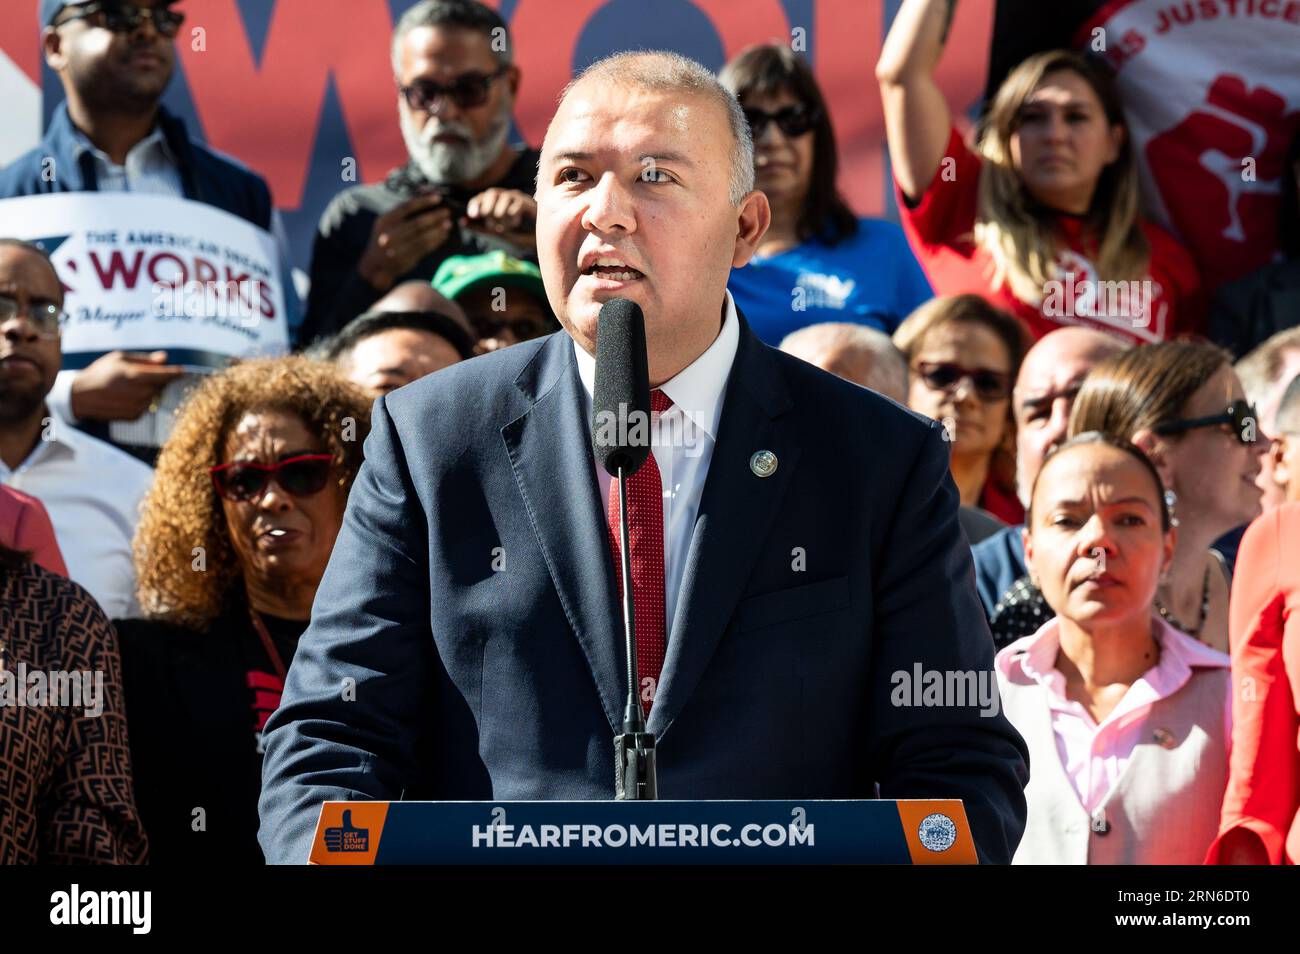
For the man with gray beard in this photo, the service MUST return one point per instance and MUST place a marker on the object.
(464, 190)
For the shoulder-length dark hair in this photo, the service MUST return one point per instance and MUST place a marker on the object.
(768, 70)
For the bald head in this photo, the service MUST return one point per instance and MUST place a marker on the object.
(420, 296)
(1080, 348)
(1049, 378)
(855, 353)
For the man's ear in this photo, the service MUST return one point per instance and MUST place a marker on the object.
(1151, 444)
(1279, 473)
(512, 79)
(1026, 543)
(754, 218)
(52, 47)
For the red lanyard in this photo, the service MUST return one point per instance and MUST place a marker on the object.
(267, 643)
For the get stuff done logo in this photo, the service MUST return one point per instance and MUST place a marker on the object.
(75, 907)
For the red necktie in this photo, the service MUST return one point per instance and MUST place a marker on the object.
(645, 538)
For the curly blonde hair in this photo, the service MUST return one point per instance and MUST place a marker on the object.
(182, 510)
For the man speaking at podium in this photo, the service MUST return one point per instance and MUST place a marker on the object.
(789, 559)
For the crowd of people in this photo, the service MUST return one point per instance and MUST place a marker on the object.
(1127, 464)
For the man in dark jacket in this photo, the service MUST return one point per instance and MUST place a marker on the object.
(760, 680)
(111, 134)
(464, 190)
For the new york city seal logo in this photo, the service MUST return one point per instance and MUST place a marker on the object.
(937, 832)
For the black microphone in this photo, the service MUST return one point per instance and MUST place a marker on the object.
(620, 438)
(621, 395)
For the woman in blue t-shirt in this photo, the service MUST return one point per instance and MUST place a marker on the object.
(818, 261)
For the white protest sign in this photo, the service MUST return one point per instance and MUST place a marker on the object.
(148, 272)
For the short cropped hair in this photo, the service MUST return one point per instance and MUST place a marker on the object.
(460, 14)
(340, 346)
(35, 250)
(1287, 420)
(888, 366)
(662, 71)
(1261, 369)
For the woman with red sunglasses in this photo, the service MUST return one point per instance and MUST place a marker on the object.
(235, 534)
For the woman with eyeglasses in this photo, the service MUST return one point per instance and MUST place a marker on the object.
(964, 355)
(1182, 404)
(235, 535)
(1041, 216)
(1127, 719)
(818, 261)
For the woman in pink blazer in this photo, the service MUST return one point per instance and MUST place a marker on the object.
(1261, 809)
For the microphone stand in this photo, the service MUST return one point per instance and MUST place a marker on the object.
(634, 747)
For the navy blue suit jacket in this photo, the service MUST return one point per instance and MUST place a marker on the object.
(471, 598)
(999, 562)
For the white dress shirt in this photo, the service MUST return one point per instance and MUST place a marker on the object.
(682, 444)
(150, 167)
(92, 491)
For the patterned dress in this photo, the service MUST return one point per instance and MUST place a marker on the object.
(66, 794)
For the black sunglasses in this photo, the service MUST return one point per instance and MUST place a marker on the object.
(45, 317)
(126, 17)
(794, 121)
(944, 375)
(467, 91)
(300, 476)
(1240, 416)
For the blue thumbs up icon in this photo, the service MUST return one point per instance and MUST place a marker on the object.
(347, 837)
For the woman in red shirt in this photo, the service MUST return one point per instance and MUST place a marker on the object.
(1261, 809)
(1042, 217)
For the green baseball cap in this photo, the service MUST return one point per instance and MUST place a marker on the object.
(461, 274)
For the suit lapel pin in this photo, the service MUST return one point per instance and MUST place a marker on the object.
(763, 463)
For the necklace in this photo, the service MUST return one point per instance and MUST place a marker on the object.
(1205, 609)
